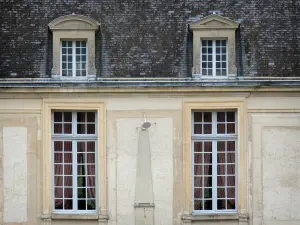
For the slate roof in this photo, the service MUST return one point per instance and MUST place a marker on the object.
(149, 38)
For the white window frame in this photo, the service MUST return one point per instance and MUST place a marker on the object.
(214, 137)
(214, 76)
(74, 59)
(74, 137)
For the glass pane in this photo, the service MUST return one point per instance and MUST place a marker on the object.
(198, 158)
(81, 182)
(221, 204)
(230, 116)
(207, 128)
(221, 158)
(207, 147)
(198, 205)
(68, 146)
(68, 193)
(221, 128)
(67, 128)
(57, 116)
(231, 181)
(198, 192)
(59, 204)
(57, 158)
(91, 181)
(208, 205)
(91, 158)
(207, 193)
(231, 204)
(67, 116)
(198, 129)
(221, 193)
(208, 158)
(230, 157)
(91, 146)
(221, 146)
(68, 170)
(198, 181)
(197, 146)
(81, 204)
(81, 192)
(68, 181)
(81, 158)
(90, 117)
(68, 158)
(80, 146)
(91, 192)
(230, 192)
(58, 180)
(58, 146)
(58, 193)
(221, 181)
(57, 128)
(230, 128)
(91, 128)
(91, 169)
(81, 170)
(91, 204)
(81, 129)
(207, 116)
(207, 171)
(231, 169)
(221, 169)
(221, 117)
(197, 116)
(81, 117)
(58, 169)
(204, 42)
(198, 170)
(231, 146)
(68, 204)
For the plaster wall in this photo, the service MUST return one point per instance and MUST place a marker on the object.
(272, 146)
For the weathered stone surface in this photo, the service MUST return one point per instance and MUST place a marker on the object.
(150, 38)
(15, 174)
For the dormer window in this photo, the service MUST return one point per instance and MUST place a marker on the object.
(214, 58)
(214, 47)
(73, 58)
(73, 46)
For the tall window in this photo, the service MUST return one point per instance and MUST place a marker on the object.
(214, 58)
(214, 141)
(74, 144)
(73, 58)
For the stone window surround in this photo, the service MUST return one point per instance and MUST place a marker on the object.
(242, 212)
(73, 27)
(214, 27)
(50, 105)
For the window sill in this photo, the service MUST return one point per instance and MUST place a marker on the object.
(202, 77)
(219, 217)
(88, 77)
(70, 216)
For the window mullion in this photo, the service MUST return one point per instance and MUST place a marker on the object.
(74, 175)
(74, 58)
(214, 57)
(214, 174)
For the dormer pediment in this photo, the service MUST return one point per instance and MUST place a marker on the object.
(214, 22)
(74, 22)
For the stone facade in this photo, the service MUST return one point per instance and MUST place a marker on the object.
(144, 59)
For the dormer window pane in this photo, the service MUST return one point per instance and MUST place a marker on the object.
(214, 58)
(73, 58)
